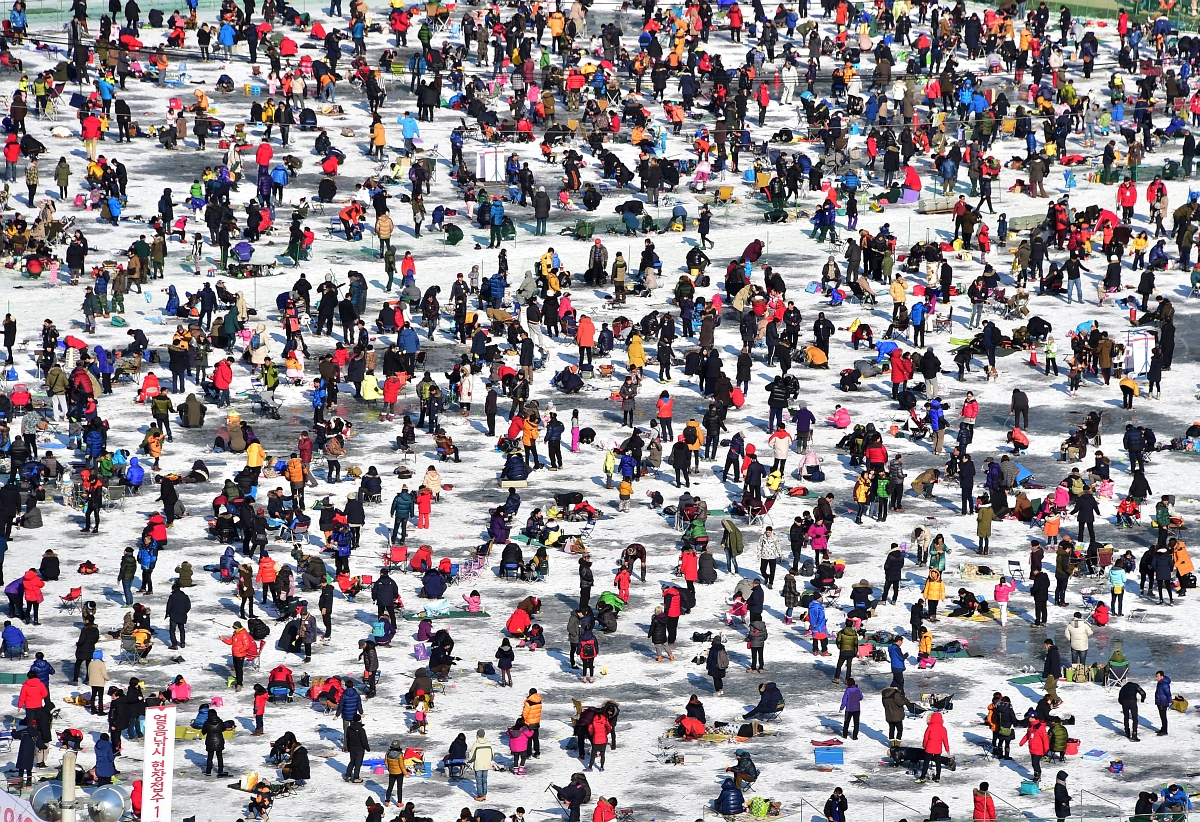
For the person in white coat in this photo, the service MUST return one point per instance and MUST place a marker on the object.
(768, 556)
(788, 77)
(466, 392)
(1078, 633)
(780, 444)
(479, 757)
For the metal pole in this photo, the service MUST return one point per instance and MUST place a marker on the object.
(67, 804)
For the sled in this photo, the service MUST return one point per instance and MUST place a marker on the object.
(417, 616)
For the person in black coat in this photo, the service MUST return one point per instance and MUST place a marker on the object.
(572, 795)
(214, 743)
(85, 646)
(1086, 510)
(966, 479)
(357, 745)
(297, 767)
(178, 606)
(1062, 797)
(893, 570)
(1040, 591)
(916, 619)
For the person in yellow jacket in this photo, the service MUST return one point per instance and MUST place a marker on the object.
(635, 353)
(531, 712)
(862, 494)
(925, 646)
(899, 291)
(935, 592)
(256, 455)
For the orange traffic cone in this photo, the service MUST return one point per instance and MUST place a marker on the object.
(1033, 358)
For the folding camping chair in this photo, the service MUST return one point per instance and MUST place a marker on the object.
(395, 556)
(1116, 675)
(129, 653)
(1015, 571)
(943, 322)
(762, 515)
(70, 602)
(114, 497)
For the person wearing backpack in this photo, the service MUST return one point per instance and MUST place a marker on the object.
(717, 664)
(589, 649)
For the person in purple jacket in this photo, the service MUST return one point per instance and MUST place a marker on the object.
(851, 705)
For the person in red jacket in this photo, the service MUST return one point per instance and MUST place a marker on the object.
(763, 98)
(424, 506)
(264, 153)
(734, 16)
(876, 455)
(934, 743)
(392, 387)
(1127, 199)
(242, 647)
(600, 729)
(90, 134)
(622, 583)
(1039, 745)
(260, 708)
(689, 566)
(606, 809)
(673, 607)
(33, 695)
(223, 378)
(12, 155)
(690, 727)
(985, 806)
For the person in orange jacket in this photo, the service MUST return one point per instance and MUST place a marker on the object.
(243, 647)
(266, 577)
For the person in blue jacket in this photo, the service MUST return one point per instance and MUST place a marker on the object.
(1162, 699)
(898, 659)
(106, 761)
(433, 584)
(730, 801)
(42, 668)
(770, 701)
(496, 218)
(225, 38)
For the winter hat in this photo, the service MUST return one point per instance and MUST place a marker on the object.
(397, 744)
(237, 626)
(479, 734)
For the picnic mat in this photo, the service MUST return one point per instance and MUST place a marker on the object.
(417, 616)
(1028, 679)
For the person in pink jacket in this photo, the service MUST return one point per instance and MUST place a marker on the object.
(1004, 589)
(934, 743)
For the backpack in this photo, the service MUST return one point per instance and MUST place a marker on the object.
(689, 435)
(587, 649)
(722, 659)
(258, 629)
(759, 807)
(486, 668)
(702, 637)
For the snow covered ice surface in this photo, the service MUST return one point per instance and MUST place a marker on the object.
(651, 694)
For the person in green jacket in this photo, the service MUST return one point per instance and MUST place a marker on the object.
(847, 645)
(90, 307)
(882, 485)
(733, 543)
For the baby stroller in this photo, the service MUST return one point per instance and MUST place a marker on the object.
(916, 427)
